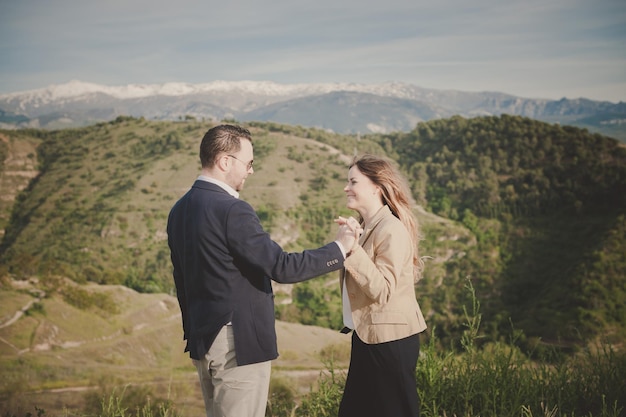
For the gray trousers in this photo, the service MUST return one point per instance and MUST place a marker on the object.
(230, 390)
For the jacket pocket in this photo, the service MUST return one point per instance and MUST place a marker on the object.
(389, 317)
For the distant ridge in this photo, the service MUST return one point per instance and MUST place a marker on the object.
(338, 107)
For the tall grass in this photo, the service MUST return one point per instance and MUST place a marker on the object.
(324, 402)
(134, 402)
(113, 407)
(131, 401)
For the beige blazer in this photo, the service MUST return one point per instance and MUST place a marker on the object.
(380, 282)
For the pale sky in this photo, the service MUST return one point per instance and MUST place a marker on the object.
(531, 48)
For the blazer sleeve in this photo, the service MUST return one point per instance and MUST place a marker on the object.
(247, 240)
(181, 293)
(378, 275)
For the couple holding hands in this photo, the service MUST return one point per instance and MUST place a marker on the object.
(224, 262)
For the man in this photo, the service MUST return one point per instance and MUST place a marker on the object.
(223, 266)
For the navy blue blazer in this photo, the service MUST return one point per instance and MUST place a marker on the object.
(223, 262)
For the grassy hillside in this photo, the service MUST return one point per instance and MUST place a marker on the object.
(64, 343)
(18, 158)
(532, 213)
(97, 210)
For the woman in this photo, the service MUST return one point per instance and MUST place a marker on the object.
(378, 294)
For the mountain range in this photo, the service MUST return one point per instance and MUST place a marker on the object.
(347, 108)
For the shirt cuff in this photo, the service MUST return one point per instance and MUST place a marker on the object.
(343, 250)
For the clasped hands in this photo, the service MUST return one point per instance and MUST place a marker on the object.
(349, 232)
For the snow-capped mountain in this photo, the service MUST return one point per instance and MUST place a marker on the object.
(341, 107)
(78, 90)
(268, 88)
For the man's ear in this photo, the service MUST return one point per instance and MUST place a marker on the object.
(223, 163)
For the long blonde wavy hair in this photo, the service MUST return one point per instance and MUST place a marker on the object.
(396, 195)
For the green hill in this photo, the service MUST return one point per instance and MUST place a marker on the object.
(532, 213)
(97, 210)
(547, 204)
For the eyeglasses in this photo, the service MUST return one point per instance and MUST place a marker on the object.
(248, 165)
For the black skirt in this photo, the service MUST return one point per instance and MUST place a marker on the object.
(381, 379)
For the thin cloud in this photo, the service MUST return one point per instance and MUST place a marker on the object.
(534, 48)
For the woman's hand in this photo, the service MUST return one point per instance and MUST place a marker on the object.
(349, 229)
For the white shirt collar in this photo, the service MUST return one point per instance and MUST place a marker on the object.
(230, 190)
